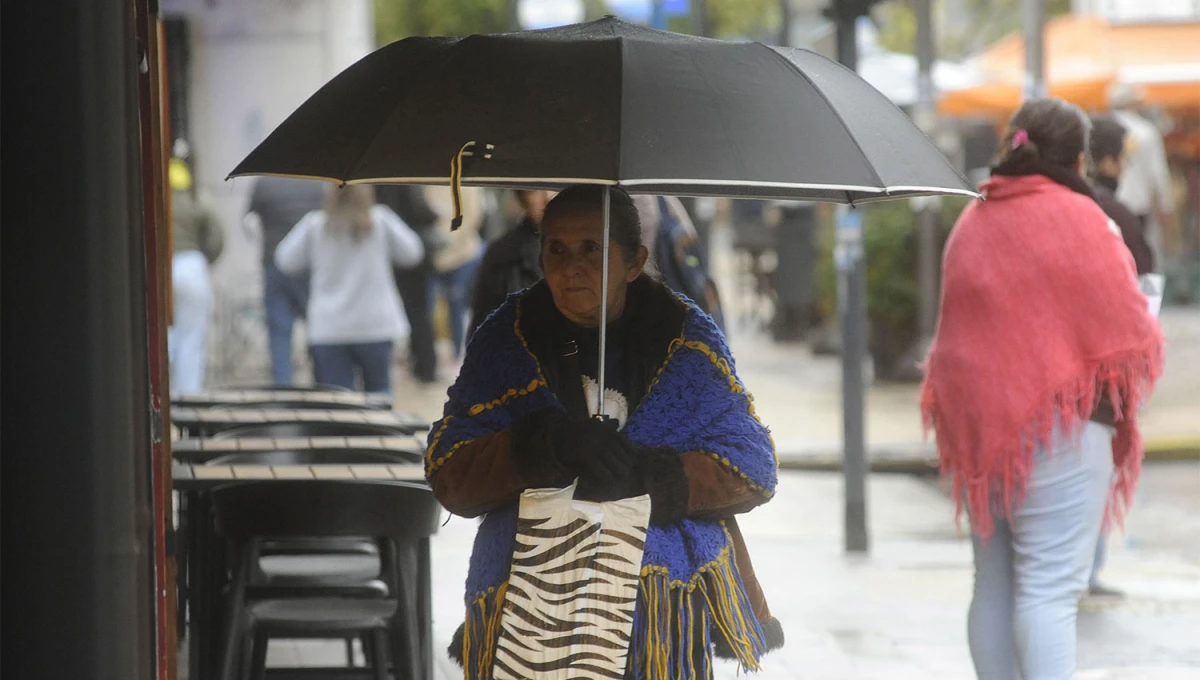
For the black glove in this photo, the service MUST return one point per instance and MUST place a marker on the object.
(659, 472)
(599, 455)
(533, 449)
(549, 449)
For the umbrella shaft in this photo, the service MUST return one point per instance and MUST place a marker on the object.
(603, 308)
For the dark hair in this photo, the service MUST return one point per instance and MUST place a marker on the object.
(625, 227)
(1057, 133)
(1108, 138)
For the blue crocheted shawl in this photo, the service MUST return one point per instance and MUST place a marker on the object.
(696, 403)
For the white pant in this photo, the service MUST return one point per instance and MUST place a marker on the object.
(188, 337)
(1030, 573)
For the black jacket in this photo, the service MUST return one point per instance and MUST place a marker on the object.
(1132, 230)
(280, 202)
(510, 264)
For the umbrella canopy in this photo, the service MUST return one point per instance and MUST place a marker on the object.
(612, 103)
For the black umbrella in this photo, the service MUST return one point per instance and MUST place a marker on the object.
(608, 103)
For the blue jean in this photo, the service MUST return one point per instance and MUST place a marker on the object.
(342, 365)
(187, 338)
(1098, 560)
(457, 286)
(285, 299)
(1030, 573)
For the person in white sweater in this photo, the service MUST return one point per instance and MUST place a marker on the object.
(354, 312)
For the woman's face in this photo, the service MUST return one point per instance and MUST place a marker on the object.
(572, 260)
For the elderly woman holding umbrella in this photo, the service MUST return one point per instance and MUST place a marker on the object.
(683, 431)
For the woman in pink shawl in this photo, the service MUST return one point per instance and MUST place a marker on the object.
(1044, 351)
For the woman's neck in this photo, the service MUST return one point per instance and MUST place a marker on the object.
(618, 315)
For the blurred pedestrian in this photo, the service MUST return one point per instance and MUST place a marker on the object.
(1043, 332)
(1108, 157)
(354, 312)
(513, 261)
(678, 257)
(276, 205)
(409, 203)
(198, 241)
(1145, 186)
(455, 265)
(1107, 150)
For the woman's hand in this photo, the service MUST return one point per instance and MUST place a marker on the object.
(599, 455)
(550, 449)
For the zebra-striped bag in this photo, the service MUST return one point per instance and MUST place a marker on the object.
(568, 610)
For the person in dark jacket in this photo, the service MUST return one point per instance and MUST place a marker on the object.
(413, 283)
(1107, 148)
(278, 203)
(512, 262)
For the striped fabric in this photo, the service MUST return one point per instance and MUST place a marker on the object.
(568, 610)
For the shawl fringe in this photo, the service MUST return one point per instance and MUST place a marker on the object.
(995, 481)
(676, 620)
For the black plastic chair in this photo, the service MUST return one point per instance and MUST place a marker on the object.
(345, 566)
(311, 430)
(297, 566)
(312, 457)
(399, 515)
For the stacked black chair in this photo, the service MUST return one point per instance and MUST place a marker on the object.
(348, 562)
(396, 514)
(299, 565)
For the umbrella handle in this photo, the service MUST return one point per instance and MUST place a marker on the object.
(456, 168)
(603, 307)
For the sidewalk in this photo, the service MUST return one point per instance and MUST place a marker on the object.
(899, 613)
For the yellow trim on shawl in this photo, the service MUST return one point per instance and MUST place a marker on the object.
(513, 393)
(737, 388)
(679, 342)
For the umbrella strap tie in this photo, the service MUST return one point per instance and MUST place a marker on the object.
(456, 168)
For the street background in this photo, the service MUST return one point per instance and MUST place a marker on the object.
(236, 69)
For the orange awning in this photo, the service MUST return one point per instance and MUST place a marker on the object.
(1163, 60)
(1085, 56)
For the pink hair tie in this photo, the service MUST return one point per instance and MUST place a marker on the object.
(1019, 137)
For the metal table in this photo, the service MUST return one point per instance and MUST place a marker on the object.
(201, 450)
(233, 397)
(206, 421)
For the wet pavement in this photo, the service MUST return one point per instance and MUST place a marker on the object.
(900, 612)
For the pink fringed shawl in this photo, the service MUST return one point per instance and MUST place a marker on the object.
(1041, 315)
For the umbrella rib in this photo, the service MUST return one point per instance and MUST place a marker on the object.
(832, 108)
